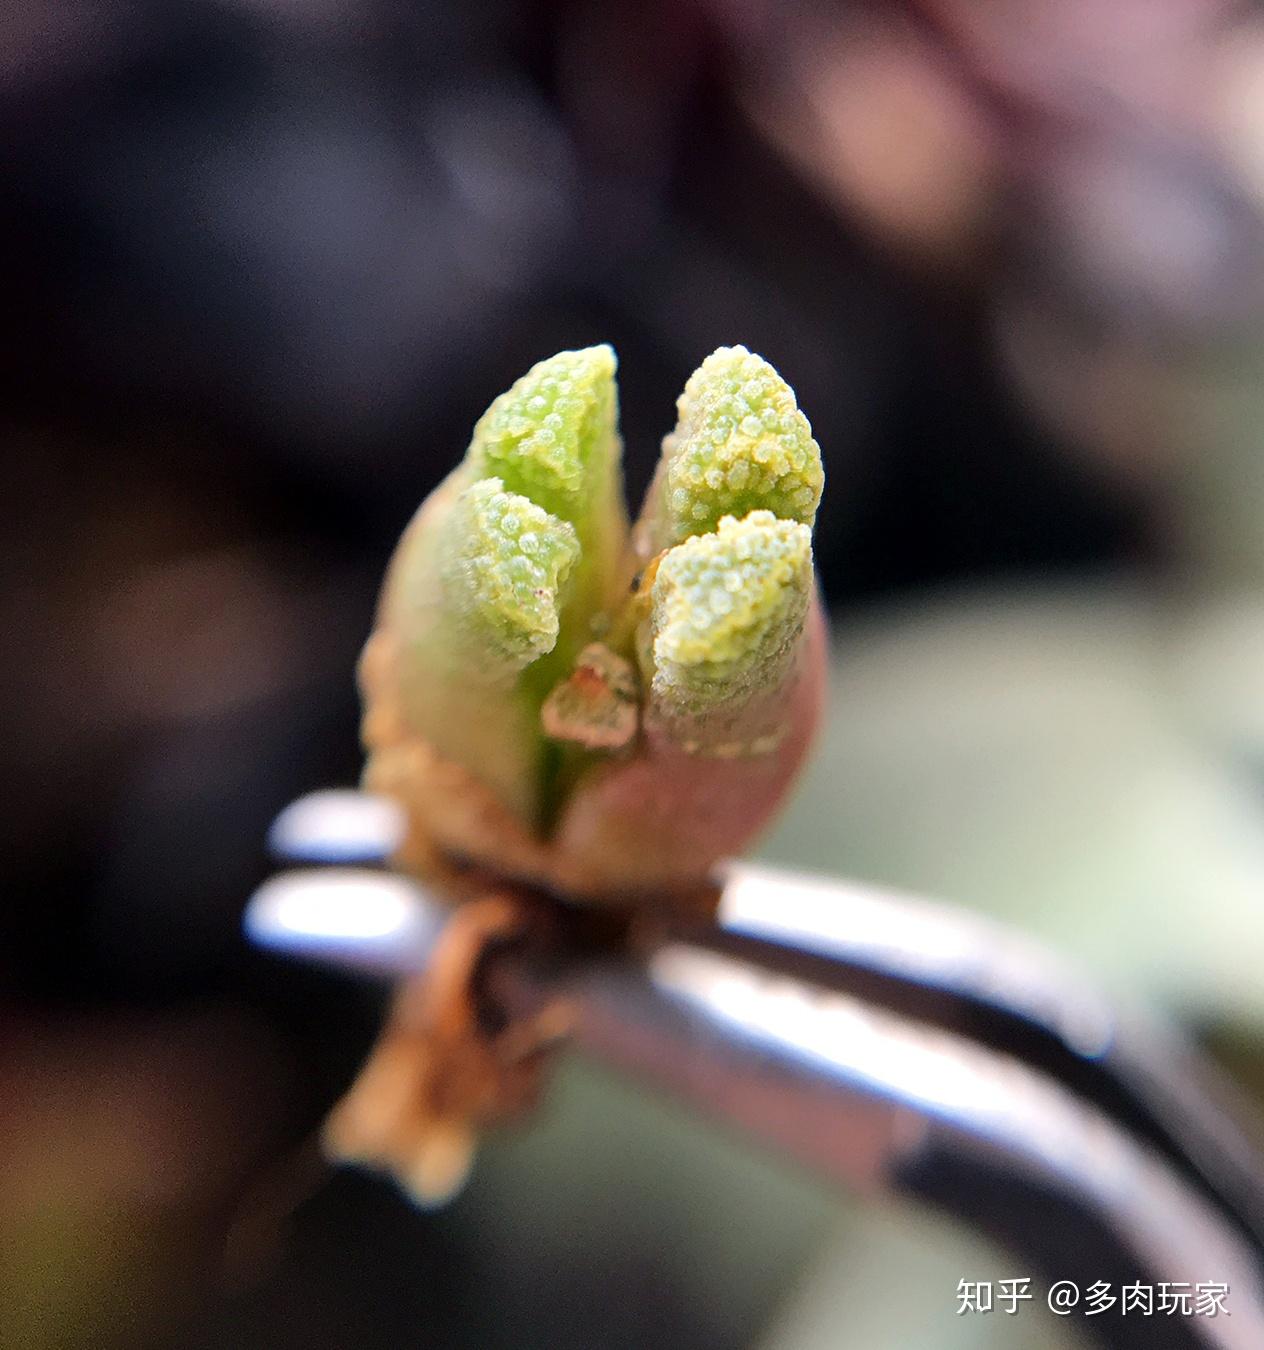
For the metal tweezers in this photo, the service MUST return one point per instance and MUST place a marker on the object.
(901, 1047)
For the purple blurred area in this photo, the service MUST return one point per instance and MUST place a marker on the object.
(269, 260)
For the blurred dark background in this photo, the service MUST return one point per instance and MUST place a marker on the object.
(269, 261)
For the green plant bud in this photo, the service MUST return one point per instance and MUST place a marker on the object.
(727, 612)
(503, 563)
(536, 719)
(740, 445)
(552, 438)
(548, 437)
(726, 628)
(502, 577)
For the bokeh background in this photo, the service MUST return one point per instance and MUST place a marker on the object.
(268, 261)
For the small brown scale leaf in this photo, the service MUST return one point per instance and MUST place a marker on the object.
(597, 705)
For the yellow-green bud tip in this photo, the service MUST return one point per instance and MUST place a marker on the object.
(740, 444)
(504, 563)
(549, 435)
(727, 610)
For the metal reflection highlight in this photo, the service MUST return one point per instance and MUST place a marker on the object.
(348, 917)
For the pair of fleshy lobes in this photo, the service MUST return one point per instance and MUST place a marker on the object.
(531, 639)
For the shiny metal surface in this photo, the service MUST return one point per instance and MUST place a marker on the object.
(352, 918)
(959, 970)
(889, 1107)
(900, 1047)
(337, 825)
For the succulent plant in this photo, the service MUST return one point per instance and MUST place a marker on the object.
(557, 699)
(598, 710)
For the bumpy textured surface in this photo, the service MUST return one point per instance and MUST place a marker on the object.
(557, 704)
(728, 609)
(543, 437)
(504, 564)
(531, 658)
(740, 444)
